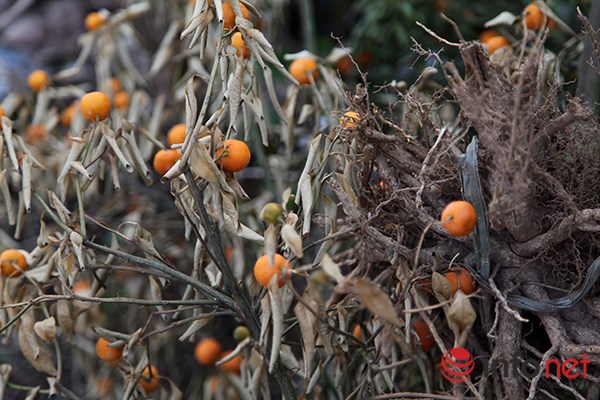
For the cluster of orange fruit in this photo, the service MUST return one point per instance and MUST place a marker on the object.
(459, 219)
(535, 19)
(94, 106)
(209, 351)
(237, 40)
(149, 379)
(234, 156)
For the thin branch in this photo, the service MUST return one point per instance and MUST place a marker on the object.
(504, 302)
(109, 300)
(536, 379)
(414, 395)
(201, 287)
(434, 35)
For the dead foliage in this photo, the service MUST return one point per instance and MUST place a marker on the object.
(368, 311)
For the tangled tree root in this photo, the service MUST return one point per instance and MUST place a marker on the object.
(538, 168)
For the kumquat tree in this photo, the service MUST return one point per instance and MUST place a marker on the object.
(262, 199)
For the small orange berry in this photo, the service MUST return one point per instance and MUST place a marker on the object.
(229, 252)
(38, 80)
(35, 134)
(425, 284)
(93, 21)
(121, 100)
(485, 35)
(534, 17)
(229, 15)
(207, 351)
(115, 85)
(82, 288)
(12, 262)
(264, 271)
(106, 353)
(460, 278)
(496, 42)
(350, 118)
(149, 380)
(238, 42)
(67, 115)
(424, 334)
(234, 156)
(364, 58)
(95, 106)
(233, 365)
(176, 134)
(300, 69)
(345, 65)
(459, 218)
(357, 332)
(165, 159)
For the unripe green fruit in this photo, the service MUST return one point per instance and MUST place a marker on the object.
(272, 213)
(240, 333)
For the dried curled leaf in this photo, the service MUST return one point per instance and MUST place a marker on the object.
(504, 18)
(38, 355)
(270, 244)
(277, 318)
(65, 322)
(144, 239)
(77, 242)
(265, 317)
(461, 316)
(46, 329)
(332, 269)
(377, 301)
(194, 327)
(292, 239)
(202, 164)
(442, 288)
(5, 370)
(307, 321)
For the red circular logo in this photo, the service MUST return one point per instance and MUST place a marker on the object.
(457, 364)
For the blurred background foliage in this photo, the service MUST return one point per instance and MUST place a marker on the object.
(381, 32)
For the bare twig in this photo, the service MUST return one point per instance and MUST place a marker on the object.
(434, 35)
